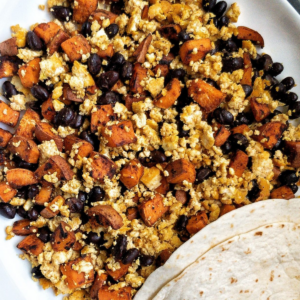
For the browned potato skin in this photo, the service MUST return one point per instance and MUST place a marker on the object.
(247, 77)
(46, 31)
(164, 187)
(99, 118)
(260, 111)
(6, 192)
(294, 153)
(97, 285)
(186, 50)
(27, 150)
(132, 173)
(119, 273)
(140, 53)
(11, 117)
(101, 14)
(180, 170)
(23, 228)
(83, 10)
(226, 208)
(31, 245)
(121, 294)
(164, 70)
(239, 163)
(48, 111)
(18, 178)
(246, 33)
(106, 215)
(139, 74)
(107, 53)
(132, 213)
(163, 257)
(197, 222)
(68, 94)
(5, 137)
(170, 31)
(102, 166)
(55, 43)
(145, 10)
(221, 136)
(284, 192)
(75, 47)
(47, 213)
(27, 124)
(44, 195)
(32, 70)
(9, 66)
(181, 196)
(63, 238)
(83, 151)
(130, 99)
(240, 129)
(9, 47)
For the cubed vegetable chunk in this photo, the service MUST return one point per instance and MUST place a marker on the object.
(101, 116)
(221, 136)
(284, 192)
(17, 178)
(140, 53)
(132, 173)
(197, 222)
(83, 9)
(44, 132)
(260, 110)
(75, 47)
(30, 73)
(52, 209)
(46, 31)
(31, 245)
(194, 50)
(9, 66)
(23, 228)
(9, 47)
(247, 77)
(6, 192)
(180, 170)
(293, 149)
(239, 163)
(27, 124)
(119, 273)
(5, 137)
(123, 293)
(8, 116)
(246, 33)
(139, 74)
(63, 238)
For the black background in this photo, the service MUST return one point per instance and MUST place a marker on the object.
(296, 4)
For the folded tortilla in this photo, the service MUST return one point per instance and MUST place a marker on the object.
(186, 275)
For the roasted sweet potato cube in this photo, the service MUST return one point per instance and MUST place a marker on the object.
(188, 54)
(139, 74)
(102, 166)
(246, 33)
(83, 9)
(119, 273)
(121, 134)
(132, 173)
(63, 238)
(140, 53)
(105, 215)
(69, 95)
(75, 47)
(182, 196)
(106, 53)
(145, 10)
(18, 178)
(167, 59)
(129, 99)
(43, 132)
(180, 170)
(169, 95)
(153, 209)
(9, 66)
(30, 73)
(44, 195)
(99, 118)
(161, 70)
(197, 222)
(52, 209)
(101, 14)
(170, 31)
(75, 279)
(123, 293)
(100, 280)
(260, 111)
(221, 136)
(132, 213)
(284, 192)
(5, 137)
(6, 192)
(23, 228)
(8, 116)
(48, 111)
(164, 187)
(239, 163)
(208, 97)
(31, 245)
(270, 133)
(84, 148)
(247, 77)
(293, 149)
(56, 42)
(163, 257)
(46, 31)
(27, 124)
(226, 208)
(9, 47)
(240, 129)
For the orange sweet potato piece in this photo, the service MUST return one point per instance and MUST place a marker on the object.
(107, 53)
(18, 178)
(75, 47)
(270, 133)
(26, 149)
(100, 280)
(9, 66)
(63, 238)
(84, 150)
(163, 70)
(140, 53)
(151, 210)
(5, 136)
(121, 134)
(208, 97)
(31, 245)
(119, 273)
(180, 170)
(239, 163)
(293, 149)
(105, 215)
(131, 173)
(240, 129)
(181, 196)
(44, 195)
(46, 31)
(197, 222)
(260, 111)
(246, 33)
(226, 208)
(170, 31)
(29, 73)
(123, 293)
(145, 10)
(187, 53)
(164, 187)
(23, 228)
(173, 91)
(54, 45)
(48, 213)
(99, 118)
(101, 14)
(130, 99)
(167, 59)
(9, 47)
(221, 136)
(83, 9)
(247, 77)
(139, 74)
(27, 124)
(69, 95)
(74, 279)
(43, 133)
(8, 116)
(163, 257)
(132, 213)
(6, 192)
(48, 111)
(284, 192)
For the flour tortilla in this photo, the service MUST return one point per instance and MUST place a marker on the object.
(232, 225)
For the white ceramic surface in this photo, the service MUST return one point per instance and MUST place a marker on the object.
(276, 20)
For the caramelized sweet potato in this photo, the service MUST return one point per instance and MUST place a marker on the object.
(264, 187)
(131, 173)
(100, 280)
(293, 149)
(63, 238)
(163, 257)
(170, 31)
(30, 73)
(270, 133)
(188, 54)
(9, 66)
(167, 59)
(121, 134)
(57, 202)
(161, 70)
(139, 74)
(208, 97)
(83, 9)
(44, 195)
(18, 178)
(140, 53)
(130, 99)
(197, 222)
(75, 279)
(31, 245)
(105, 215)
(8, 116)
(226, 208)
(9, 47)
(101, 14)
(84, 150)
(26, 149)
(164, 187)
(43, 132)
(284, 192)
(145, 10)
(48, 111)
(27, 124)
(102, 166)
(75, 47)
(123, 293)
(107, 53)
(46, 31)
(132, 213)
(54, 45)
(180, 170)
(247, 77)
(171, 93)
(5, 137)
(246, 33)
(240, 129)
(239, 163)
(69, 95)
(99, 118)
(23, 228)
(151, 210)
(181, 196)
(6, 192)
(119, 273)
(260, 111)
(221, 136)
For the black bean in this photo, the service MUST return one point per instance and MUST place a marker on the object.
(8, 211)
(226, 147)
(82, 196)
(218, 45)
(85, 135)
(33, 41)
(34, 105)
(108, 98)
(119, 248)
(212, 83)
(223, 116)
(8, 90)
(158, 157)
(276, 69)
(33, 214)
(23, 164)
(117, 8)
(112, 30)
(96, 194)
(215, 21)
(183, 36)
(77, 121)
(289, 98)
(22, 192)
(37, 273)
(288, 82)
(61, 13)
(288, 177)
(294, 188)
(295, 109)
(178, 73)
(181, 222)
(223, 21)
(232, 64)
(146, 260)
(278, 91)
(75, 205)
(264, 62)
(22, 212)
(181, 132)
(116, 62)
(130, 256)
(254, 192)
(94, 64)
(64, 117)
(40, 92)
(219, 9)
(44, 234)
(239, 141)
(203, 174)
(86, 29)
(247, 89)
(107, 80)
(230, 46)
(208, 4)
(33, 190)
(183, 100)
(126, 70)
(255, 75)
(94, 238)
(273, 81)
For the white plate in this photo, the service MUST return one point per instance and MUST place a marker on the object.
(276, 20)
